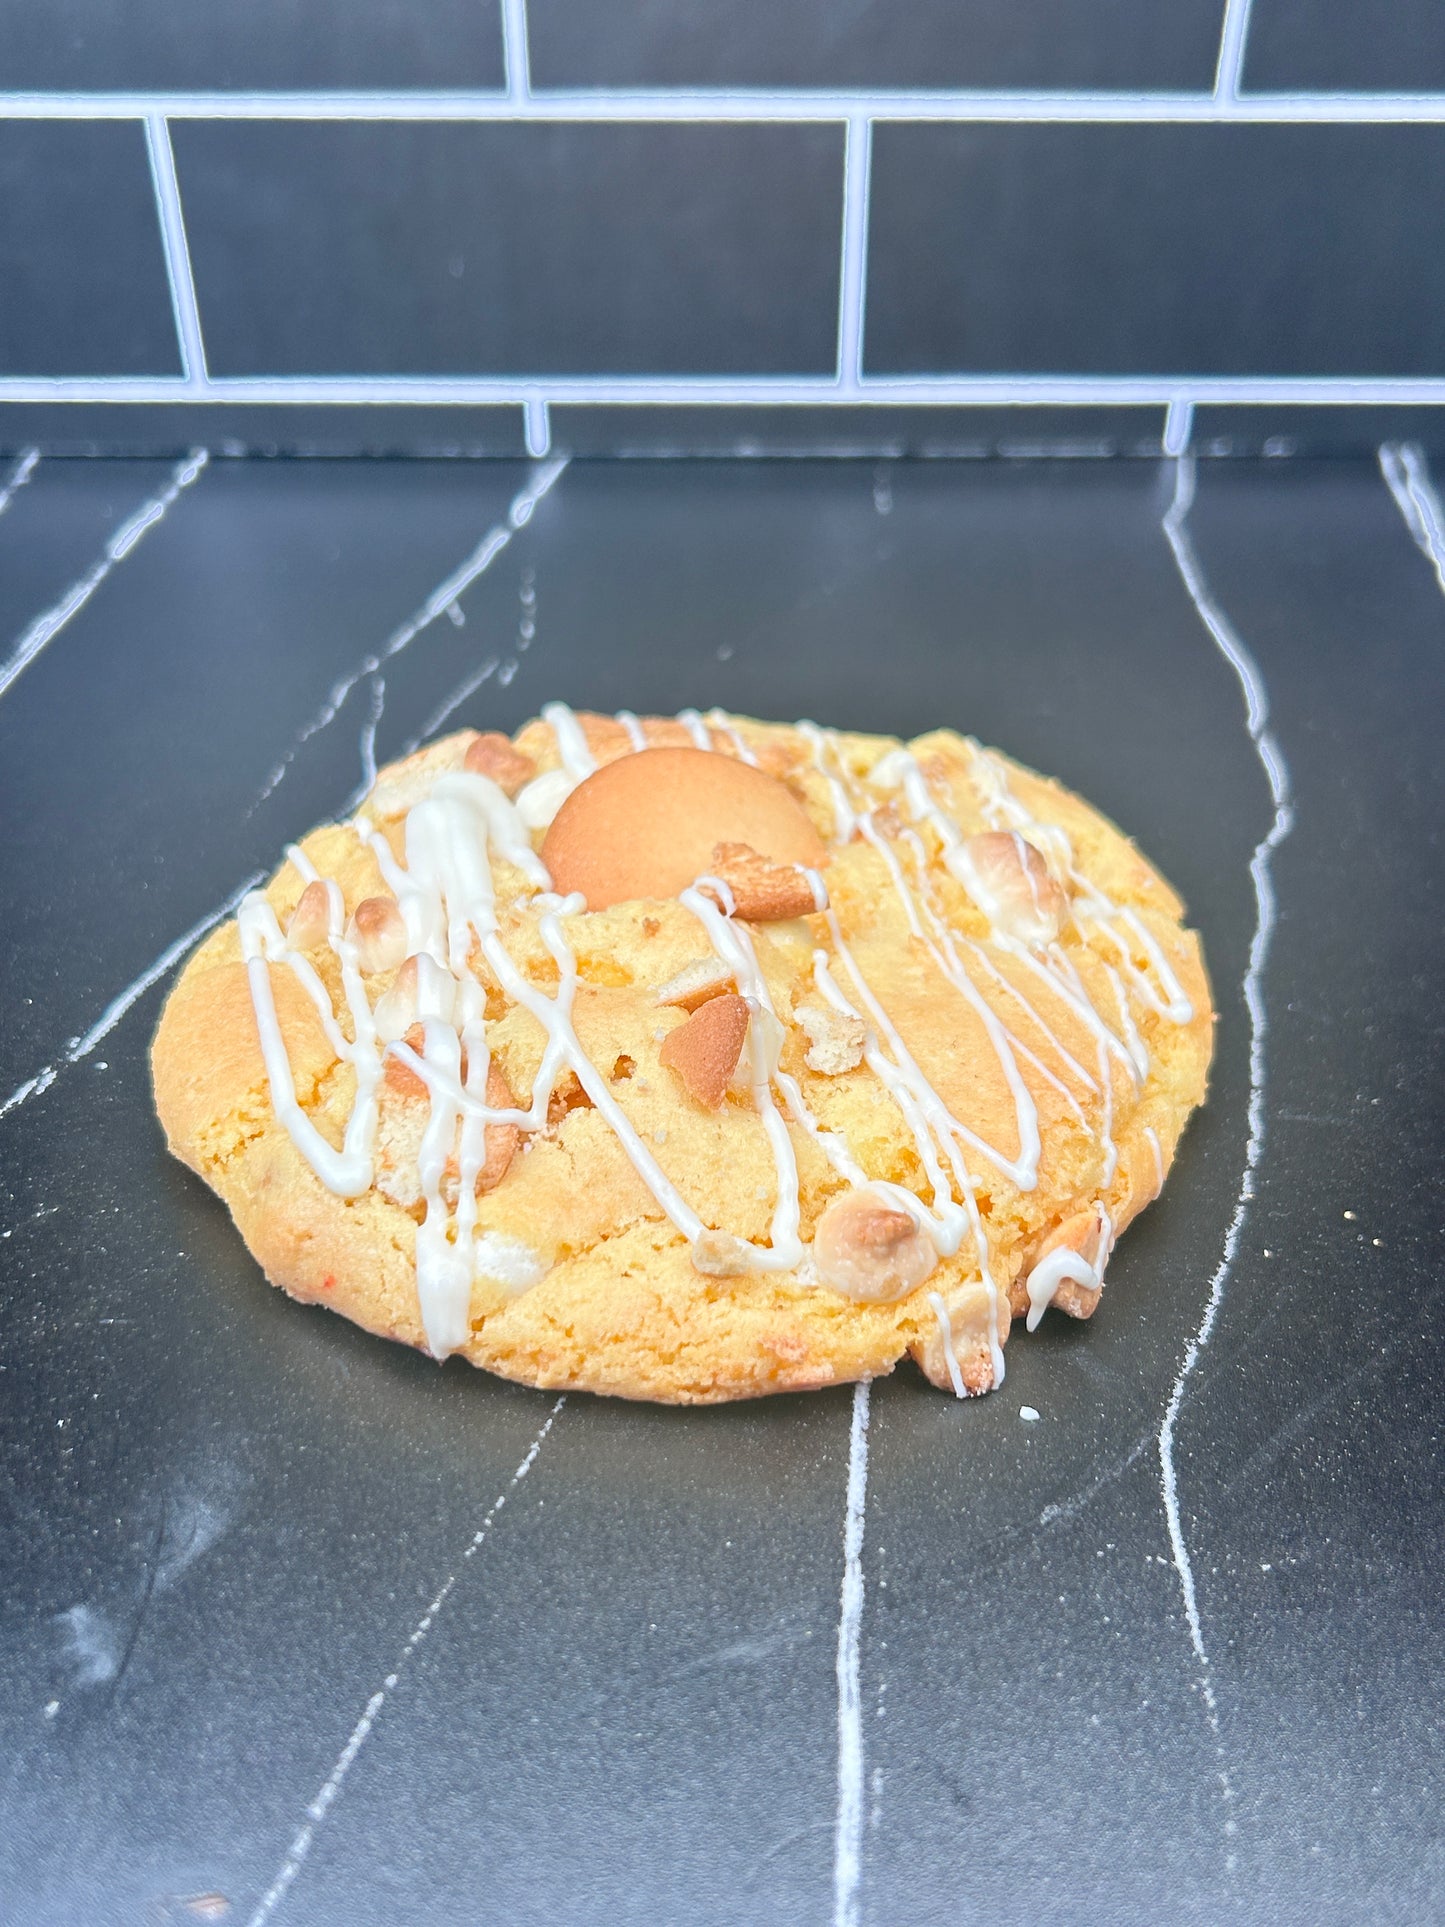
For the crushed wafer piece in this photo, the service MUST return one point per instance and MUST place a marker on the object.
(704, 1051)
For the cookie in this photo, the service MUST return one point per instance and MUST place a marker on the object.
(694, 1059)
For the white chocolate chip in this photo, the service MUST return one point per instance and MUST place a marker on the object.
(869, 1248)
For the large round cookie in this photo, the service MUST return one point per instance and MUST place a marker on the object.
(839, 1049)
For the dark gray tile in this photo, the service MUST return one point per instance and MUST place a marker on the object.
(258, 428)
(390, 247)
(1102, 249)
(869, 43)
(1346, 46)
(1275, 428)
(165, 44)
(854, 429)
(83, 286)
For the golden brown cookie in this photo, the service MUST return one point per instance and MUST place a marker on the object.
(691, 1059)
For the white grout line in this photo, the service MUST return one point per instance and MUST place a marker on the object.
(724, 104)
(920, 391)
(516, 52)
(853, 269)
(1229, 71)
(47, 626)
(1178, 424)
(1407, 476)
(1256, 704)
(19, 476)
(437, 603)
(848, 1830)
(346, 1759)
(538, 426)
(177, 251)
(86, 1042)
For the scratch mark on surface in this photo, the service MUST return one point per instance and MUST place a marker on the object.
(1062, 1510)
(848, 1827)
(336, 1779)
(46, 627)
(1256, 705)
(440, 602)
(86, 1042)
(757, 1651)
(18, 477)
(1407, 476)
(147, 1594)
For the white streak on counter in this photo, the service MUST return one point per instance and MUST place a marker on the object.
(1256, 705)
(19, 476)
(848, 1830)
(368, 739)
(437, 603)
(86, 1042)
(453, 702)
(1407, 476)
(361, 1732)
(46, 627)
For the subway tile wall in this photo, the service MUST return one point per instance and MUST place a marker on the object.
(565, 247)
(664, 226)
(928, 44)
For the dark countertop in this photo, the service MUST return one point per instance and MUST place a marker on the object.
(222, 1516)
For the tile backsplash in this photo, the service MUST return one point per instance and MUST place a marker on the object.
(642, 247)
(928, 44)
(645, 226)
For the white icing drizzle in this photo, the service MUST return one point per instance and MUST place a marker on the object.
(446, 894)
(1003, 806)
(945, 1332)
(1023, 1169)
(815, 883)
(1064, 1263)
(986, 963)
(577, 758)
(443, 1267)
(1004, 810)
(717, 720)
(1138, 1050)
(930, 1123)
(735, 948)
(541, 799)
(1058, 973)
(845, 823)
(1173, 1004)
(636, 735)
(448, 867)
(1151, 1138)
(693, 723)
(900, 770)
(348, 1171)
